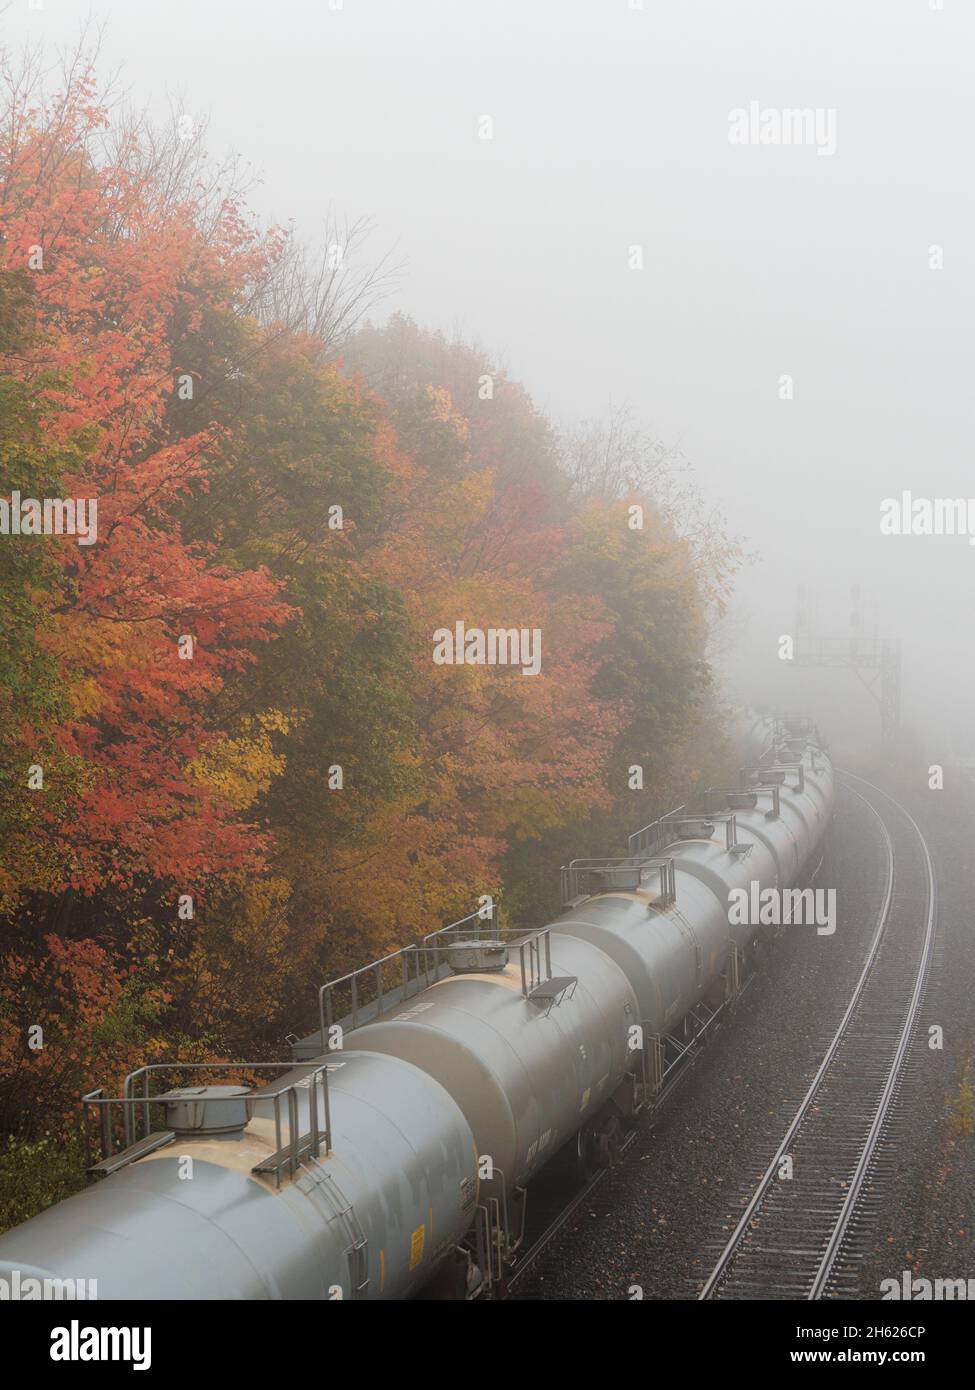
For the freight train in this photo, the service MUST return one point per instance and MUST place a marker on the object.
(393, 1155)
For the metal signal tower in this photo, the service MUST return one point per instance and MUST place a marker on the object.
(875, 661)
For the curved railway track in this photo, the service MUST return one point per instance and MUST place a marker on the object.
(791, 1237)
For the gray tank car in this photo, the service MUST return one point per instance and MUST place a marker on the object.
(525, 1068)
(219, 1210)
(404, 1163)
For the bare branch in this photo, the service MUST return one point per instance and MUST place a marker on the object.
(326, 293)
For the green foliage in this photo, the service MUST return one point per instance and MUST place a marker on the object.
(35, 1173)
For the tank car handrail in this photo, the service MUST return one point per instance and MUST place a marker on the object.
(770, 788)
(292, 1153)
(775, 775)
(573, 873)
(381, 960)
(427, 969)
(712, 818)
(478, 916)
(652, 837)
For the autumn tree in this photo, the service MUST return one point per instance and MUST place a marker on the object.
(232, 766)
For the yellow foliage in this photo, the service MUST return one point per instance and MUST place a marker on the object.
(447, 413)
(242, 768)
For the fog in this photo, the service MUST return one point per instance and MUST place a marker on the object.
(760, 261)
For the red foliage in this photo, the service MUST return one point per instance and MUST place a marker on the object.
(113, 269)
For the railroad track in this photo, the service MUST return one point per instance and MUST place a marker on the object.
(794, 1234)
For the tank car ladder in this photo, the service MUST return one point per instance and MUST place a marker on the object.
(317, 1183)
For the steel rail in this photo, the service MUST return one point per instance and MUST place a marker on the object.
(904, 1042)
(727, 1256)
(768, 1177)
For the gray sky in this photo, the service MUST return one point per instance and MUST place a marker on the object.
(611, 129)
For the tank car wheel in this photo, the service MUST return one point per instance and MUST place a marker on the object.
(598, 1143)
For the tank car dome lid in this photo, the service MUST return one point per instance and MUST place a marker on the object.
(206, 1109)
(478, 957)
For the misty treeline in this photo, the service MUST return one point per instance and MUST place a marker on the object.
(195, 833)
